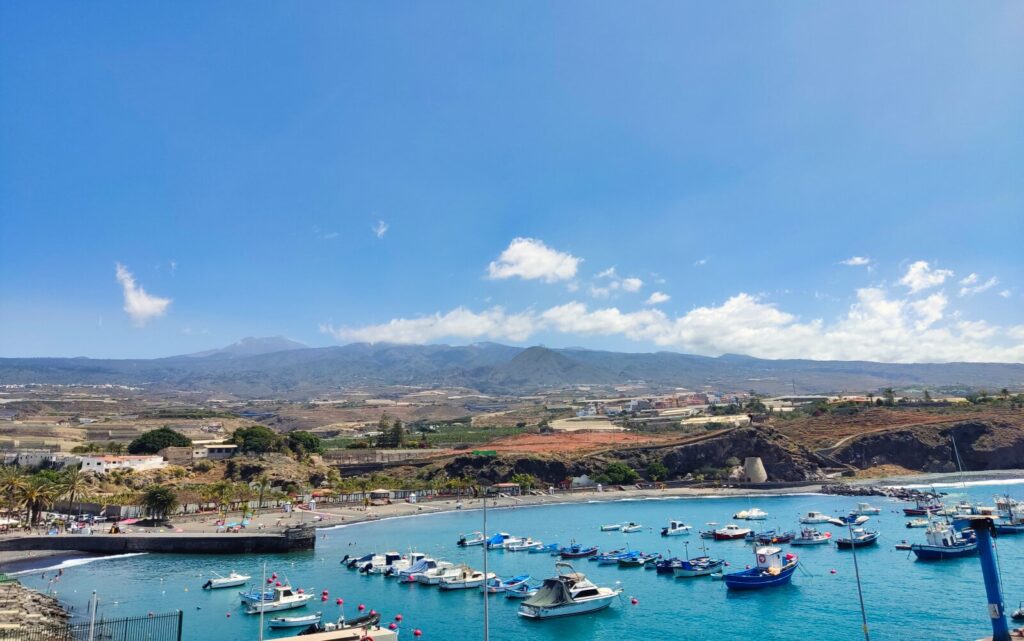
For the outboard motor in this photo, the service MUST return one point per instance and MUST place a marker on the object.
(208, 584)
(366, 568)
(345, 560)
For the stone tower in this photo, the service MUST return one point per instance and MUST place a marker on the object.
(753, 470)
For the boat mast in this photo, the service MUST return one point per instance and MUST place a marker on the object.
(262, 604)
(959, 465)
(487, 630)
(860, 594)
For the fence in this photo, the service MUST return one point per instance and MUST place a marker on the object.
(157, 627)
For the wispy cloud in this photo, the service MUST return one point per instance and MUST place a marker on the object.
(920, 276)
(531, 259)
(700, 262)
(856, 261)
(970, 285)
(632, 284)
(461, 323)
(657, 298)
(380, 229)
(1005, 293)
(139, 305)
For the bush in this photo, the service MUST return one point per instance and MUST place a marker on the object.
(657, 471)
(620, 473)
(203, 465)
(257, 439)
(304, 443)
(155, 440)
(357, 445)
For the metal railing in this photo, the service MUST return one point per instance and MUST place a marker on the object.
(157, 627)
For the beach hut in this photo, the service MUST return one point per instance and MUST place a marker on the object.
(380, 497)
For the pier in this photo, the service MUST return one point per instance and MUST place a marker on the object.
(289, 540)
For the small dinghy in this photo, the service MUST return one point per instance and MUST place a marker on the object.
(912, 523)
(611, 527)
(473, 538)
(523, 591)
(636, 559)
(523, 545)
(861, 538)
(811, 536)
(666, 566)
(1018, 614)
(550, 548)
(296, 622)
(866, 509)
(367, 621)
(496, 585)
(702, 565)
(464, 578)
(850, 519)
(577, 551)
(631, 527)
(812, 518)
(610, 557)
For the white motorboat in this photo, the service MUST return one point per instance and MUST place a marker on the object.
(230, 581)
(753, 514)
(864, 508)
(404, 563)
(523, 545)
(436, 575)
(567, 593)
(473, 538)
(912, 523)
(611, 527)
(730, 532)
(812, 518)
(465, 578)
(811, 536)
(631, 527)
(284, 599)
(676, 528)
(420, 566)
(512, 540)
(497, 541)
(380, 563)
(296, 622)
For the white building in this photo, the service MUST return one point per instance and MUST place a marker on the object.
(108, 463)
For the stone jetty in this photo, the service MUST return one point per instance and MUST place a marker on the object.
(26, 611)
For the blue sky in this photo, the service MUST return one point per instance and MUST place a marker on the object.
(729, 156)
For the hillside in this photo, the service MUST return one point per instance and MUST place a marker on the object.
(489, 367)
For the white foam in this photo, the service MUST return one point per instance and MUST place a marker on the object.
(71, 563)
(990, 482)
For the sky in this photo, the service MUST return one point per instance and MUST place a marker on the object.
(779, 179)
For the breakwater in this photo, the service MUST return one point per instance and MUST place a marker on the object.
(290, 540)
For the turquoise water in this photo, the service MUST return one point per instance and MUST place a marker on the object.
(906, 599)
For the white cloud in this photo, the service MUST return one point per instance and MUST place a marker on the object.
(139, 305)
(174, 266)
(632, 284)
(856, 261)
(600, 292)
(921, 276)
(461, 323)
(876, 327)
(1005, 293)
(700, 263)
(970, 285)
(657, 298)
(531, 259)
(380, 229)
(608, 273)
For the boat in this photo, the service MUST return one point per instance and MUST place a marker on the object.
(676, 528)
(524, 545)
(611, 557)
(923, 508)
(473, 538)
(403, 564)
(577, 551)
(512, 540)
(637, 559)
(380, 563)
(903, 545)
(496, 584)
(859, 539)
(296, 622)
(567, 593)
(850, 519)
(815, 517)
(1010, 523)
(497, 542)
(772, 570)
(811, 536)
(256, 594)
(912, 523)
(771, 537)
(666, 566)
(631, 527)
(464, 578)
(353, 563)
(523, 591)
(866, 509)
(753, 514)
(702, 565)
(284, 599)
(611, 527)
(550, 548)
(366, 621)
(230, 581)
(942, 541)
(730, 532)
(420, 567)
(1018, 614)
(436, 575)
(710, 532)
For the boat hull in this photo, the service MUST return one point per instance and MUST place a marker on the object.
(571, 609)
(683, 572)
(815, 541)
(941, 552)
(746, 580)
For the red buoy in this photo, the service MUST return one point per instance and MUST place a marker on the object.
(398, 617)
(373, 612)
(832, 571)
(339, 601)
(634, 601)
(417, 632)
(361, 607)
(228, 615)
(270, 580)
(323, 597)
(392, 626)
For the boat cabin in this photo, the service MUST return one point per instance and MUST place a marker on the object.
(769, 558)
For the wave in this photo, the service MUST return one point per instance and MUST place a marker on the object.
(73, 562)
(989, 482)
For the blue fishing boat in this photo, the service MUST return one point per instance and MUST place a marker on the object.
(637, 559)
(577, 551)
(698, 566)
(944, 542)
(612, 557)
(772, 570)
(496, 584)
(550, 548)
(666, 566)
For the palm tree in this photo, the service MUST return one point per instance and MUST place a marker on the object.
(12, 481)
(73, 485)
(159, 501)
(262, 483)
(37, 496)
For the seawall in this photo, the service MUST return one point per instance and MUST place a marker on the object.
(291, 540)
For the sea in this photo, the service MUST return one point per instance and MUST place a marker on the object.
(904, 598)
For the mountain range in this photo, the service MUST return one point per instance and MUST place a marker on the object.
(279, 367)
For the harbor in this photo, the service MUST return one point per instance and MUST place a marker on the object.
(947, 596)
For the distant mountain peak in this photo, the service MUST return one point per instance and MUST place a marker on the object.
(252, 346)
